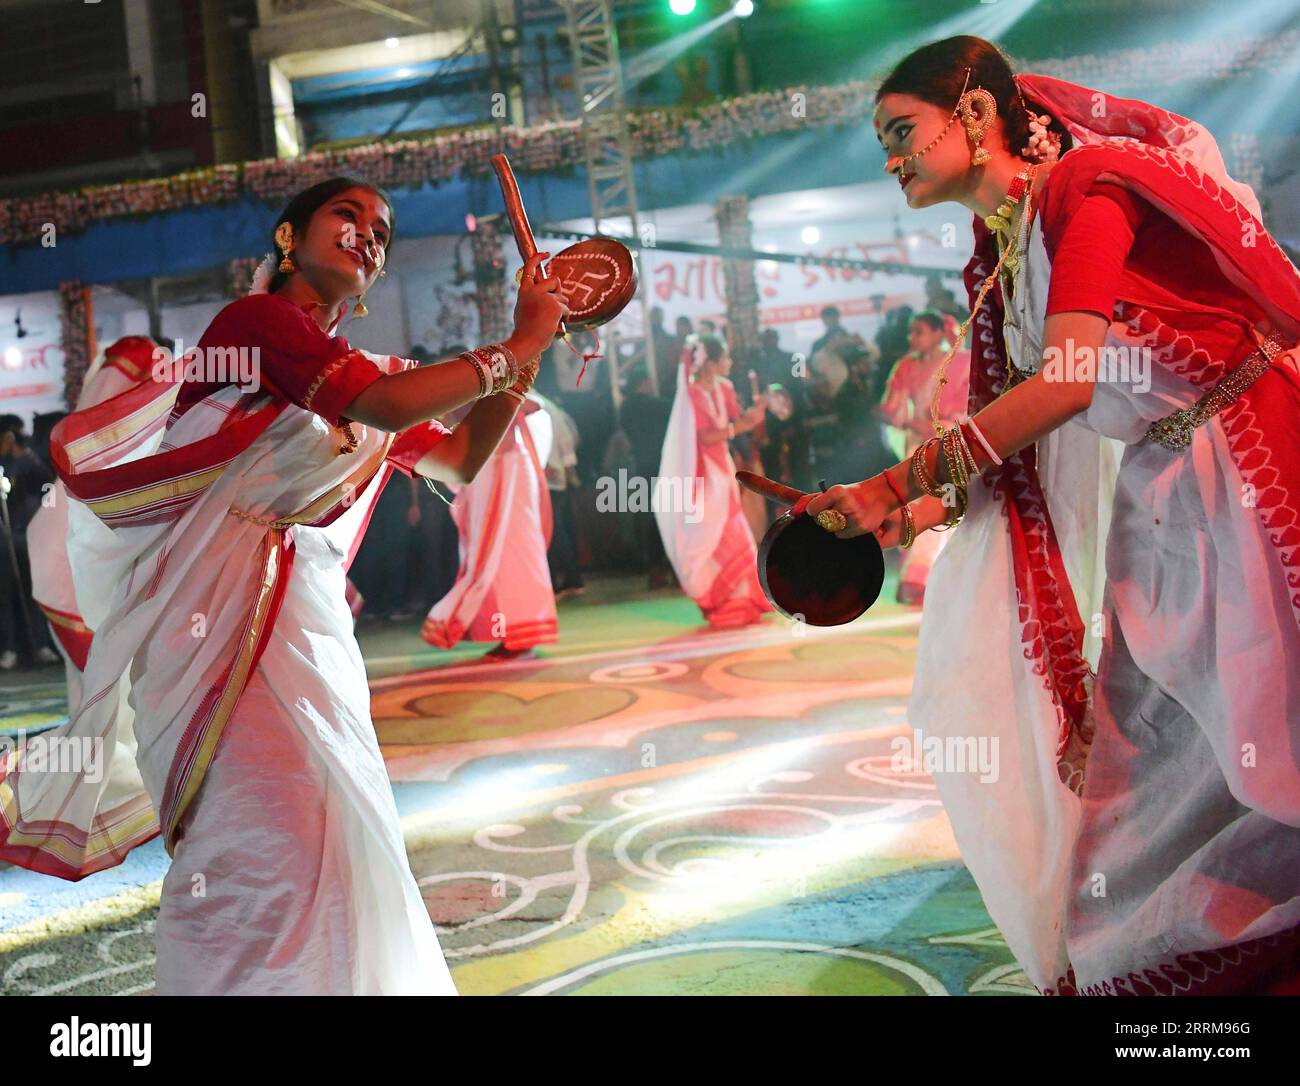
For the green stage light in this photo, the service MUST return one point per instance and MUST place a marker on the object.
(681, 7)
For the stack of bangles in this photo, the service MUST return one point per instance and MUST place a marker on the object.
(955, 452)
(499, 371)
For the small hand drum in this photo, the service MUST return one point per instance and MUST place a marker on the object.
(598, 279)
(597, 276)
(809, 574)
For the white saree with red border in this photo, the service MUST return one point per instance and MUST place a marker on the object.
(1123, 623)
(228, 695)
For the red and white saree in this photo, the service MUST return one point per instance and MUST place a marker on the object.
(124, 364)
(697, 506)
(1124, 619)
(210, 538)
(503, 589)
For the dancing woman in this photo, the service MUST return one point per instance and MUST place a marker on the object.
(503, 590)
(912, 387)
(224, 681)
(1143, 832)
(708, 541)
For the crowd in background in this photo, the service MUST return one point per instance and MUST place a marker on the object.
(824, 421)
(26, 478)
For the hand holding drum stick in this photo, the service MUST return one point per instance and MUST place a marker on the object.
(808, 573)
(597, 276)
(519, 225)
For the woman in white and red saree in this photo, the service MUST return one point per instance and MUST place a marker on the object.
(911, 388)
(503, 589)
(124, 364)
(225, 695)
(696, 498)
(1121, 604)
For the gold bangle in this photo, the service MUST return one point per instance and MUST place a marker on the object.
(909, 528)
(482, 370)
(957, 473)
(921, 470)
(968, 454)
(957, 511)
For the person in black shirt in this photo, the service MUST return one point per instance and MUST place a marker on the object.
(894, 338)
(643, 417)
(831, 319)
(775, 365)
(27, 479)
(785, 447)
(860, 437)
(667, 351)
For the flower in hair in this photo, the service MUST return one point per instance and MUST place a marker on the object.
(1044, 145)
(262, 276)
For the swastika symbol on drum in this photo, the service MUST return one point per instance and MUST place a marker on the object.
(583, 290)
(586, 286)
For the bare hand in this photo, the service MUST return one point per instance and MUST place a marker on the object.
(540, 307)
(890, 532)
(865, 505)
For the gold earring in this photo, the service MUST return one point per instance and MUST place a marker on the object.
(975, 128)
(360, 310)
(284, 239)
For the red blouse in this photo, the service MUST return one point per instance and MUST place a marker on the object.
(1113, 232)
(298, 361)
(707, 402)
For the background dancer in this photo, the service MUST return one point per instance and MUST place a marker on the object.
(711, 547)
(503, 590)
(912, 387)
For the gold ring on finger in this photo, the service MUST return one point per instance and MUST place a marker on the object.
(832, 520)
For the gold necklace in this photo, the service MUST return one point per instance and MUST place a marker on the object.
(1008, 253)
(1000, 219)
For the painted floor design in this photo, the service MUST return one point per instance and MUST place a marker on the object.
(696, 813)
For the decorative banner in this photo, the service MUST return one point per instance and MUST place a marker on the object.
(558, 145)
(31, 355)
(77, 318)
(412, 163)
(1155, 69)
(652, 132)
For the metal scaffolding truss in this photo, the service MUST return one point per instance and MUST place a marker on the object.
(598, 81)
